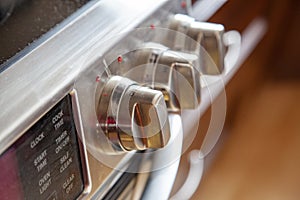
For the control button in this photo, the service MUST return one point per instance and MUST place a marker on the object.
(133, 117)
(174, 73)
(204, 38)
(183, 78)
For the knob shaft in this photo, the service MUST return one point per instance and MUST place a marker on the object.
(133, 117)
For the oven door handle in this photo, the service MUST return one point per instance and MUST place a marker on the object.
(163, 176)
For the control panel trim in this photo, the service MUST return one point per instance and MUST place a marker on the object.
(82, 146)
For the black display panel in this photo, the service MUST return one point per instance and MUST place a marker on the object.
(45, 162)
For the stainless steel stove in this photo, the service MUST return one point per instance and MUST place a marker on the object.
(93, 95)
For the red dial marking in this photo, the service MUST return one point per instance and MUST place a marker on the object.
(120, 59)
(110, 120)
(183, 4)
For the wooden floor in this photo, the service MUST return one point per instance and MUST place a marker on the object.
(260, 158)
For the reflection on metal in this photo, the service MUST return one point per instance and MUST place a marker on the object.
(133, 117)
(207, 42)
(201, 14)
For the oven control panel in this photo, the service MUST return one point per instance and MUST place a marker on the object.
(46, 162)
(131, 73)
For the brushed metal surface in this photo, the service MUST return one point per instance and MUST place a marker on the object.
(38, 80)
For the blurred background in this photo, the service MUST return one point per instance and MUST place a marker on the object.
(258, 154)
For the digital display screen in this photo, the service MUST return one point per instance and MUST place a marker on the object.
(45, 162)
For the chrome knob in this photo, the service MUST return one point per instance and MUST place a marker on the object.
(133, 117)
(175, 74)
(203, 38)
